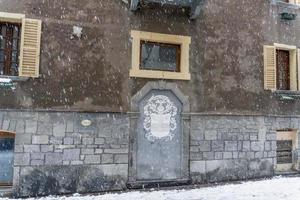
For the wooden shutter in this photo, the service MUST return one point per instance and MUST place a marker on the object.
(269, 67)
(293, 70)
(298, 68)
(30, 48)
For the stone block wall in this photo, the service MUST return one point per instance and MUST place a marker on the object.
(55, 154)
(224, 148)
(56, 147)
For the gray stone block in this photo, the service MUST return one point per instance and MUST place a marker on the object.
(210, 135)
(92, 159)
(196, 156)
(204, 146)
(194, 149)
(99, 140)
(37, 156)
(217, 146)
(227, 155)
(107, 158)
(208, 156)
(68, 140)
(31, 148)
(19, 149)
(198, 167)
(86, 141)
(87, 151)
(47, 148)
(21, 159)
(40, 139)
(53, 158)
(115, 151)
(30, 126)
(59, 129)
(231, 145)
(257, 146)
(71, 154)
(120, 158)
(268, 146)
(218, 155)
(98, 151)
(45, 127)
(246, 146)
(37, 162)
(76, 162)
(22, 139)
(197, 135)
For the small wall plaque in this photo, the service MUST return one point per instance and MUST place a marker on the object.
(86, 122)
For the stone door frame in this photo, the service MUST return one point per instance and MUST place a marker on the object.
(134, 116)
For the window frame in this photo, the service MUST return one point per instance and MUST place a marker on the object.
(13, 18)
(183, 41)
(7, 135)
(270, 67)
(30, 45)
(293, 65)
(288, 134)
(19, 25)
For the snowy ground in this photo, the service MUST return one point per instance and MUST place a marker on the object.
(275, 189)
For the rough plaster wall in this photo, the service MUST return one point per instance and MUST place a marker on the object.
(92, 73)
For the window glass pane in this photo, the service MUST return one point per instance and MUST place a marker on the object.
(283, 69)
(6, 160)
(10, 48)
(14, 69)
(1, 68)
(158, 56)
(1, 55)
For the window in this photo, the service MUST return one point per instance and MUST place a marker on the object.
(160, 56)
(19, 45)
(291, 1)
(7, 141)
(280, 68)
(287, 144)
(9, 48)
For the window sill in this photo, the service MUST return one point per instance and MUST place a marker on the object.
(15, 78)
(287, 95)
(160, 74)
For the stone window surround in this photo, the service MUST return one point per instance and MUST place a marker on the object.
(183, 41)
(134, 115)
(288, 135)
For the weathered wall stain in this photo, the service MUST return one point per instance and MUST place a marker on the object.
(92, 73)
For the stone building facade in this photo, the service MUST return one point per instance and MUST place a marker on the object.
(89, 122)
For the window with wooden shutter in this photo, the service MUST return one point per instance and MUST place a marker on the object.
(30, 48)
(27, 59)
(281, 71)
(269, 67)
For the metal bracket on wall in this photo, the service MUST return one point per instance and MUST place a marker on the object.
(193, 5)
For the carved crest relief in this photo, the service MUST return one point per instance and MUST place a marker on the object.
(160, 118)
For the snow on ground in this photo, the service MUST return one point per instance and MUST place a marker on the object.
(274, 189)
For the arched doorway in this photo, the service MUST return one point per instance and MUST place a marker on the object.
(7, 143)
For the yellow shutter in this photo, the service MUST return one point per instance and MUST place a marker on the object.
(298, 67)
(30, 48)
(269, 67)
(293, 70)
